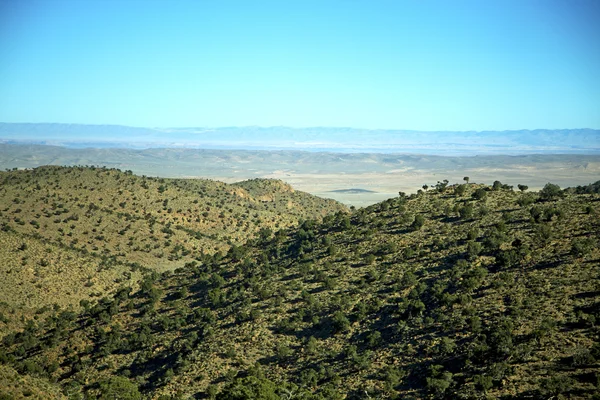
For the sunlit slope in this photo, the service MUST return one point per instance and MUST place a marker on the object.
(18, 386)
(77, 234)
(36, 276)
(156, 223)
(458, 292)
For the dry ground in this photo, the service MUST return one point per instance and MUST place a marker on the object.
(320, 173)
(385, 184)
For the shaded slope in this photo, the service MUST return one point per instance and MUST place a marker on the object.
(79, 233)
(465, 292)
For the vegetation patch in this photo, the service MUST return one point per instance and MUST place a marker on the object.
(459, 291)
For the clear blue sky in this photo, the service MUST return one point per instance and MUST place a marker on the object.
(423, 65)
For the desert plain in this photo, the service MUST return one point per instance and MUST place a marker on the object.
(357, 179)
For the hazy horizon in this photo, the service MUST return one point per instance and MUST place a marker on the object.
(316, 139)
(266, 126)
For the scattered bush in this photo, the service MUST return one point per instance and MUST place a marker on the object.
(550, 192)
(479, 194)
(117, 387)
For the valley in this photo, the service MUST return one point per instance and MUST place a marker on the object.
(299, 200)
(323, 174)
(254, 290)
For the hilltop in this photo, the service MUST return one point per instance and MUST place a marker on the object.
(465, 291)
(156, 222)
(75, 233)
(324, 174)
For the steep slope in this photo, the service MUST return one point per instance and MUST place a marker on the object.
(35, 275)
(78, 233)
(459, 292)
(19, 386)
(153, 222)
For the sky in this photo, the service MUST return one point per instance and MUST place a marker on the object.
(418, 65)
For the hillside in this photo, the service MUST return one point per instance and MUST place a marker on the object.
(154, 222)
(74, 233)
(457, 292)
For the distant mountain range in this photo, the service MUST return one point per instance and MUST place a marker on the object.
(539, 141)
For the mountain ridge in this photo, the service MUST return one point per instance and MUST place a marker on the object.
(310, 139)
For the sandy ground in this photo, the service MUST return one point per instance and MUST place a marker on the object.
(380, 176)
(388, 184)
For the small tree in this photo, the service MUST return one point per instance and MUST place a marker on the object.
(340, 322)
(252, 387)
(374, 338)
(446, 346)
(522, 188)
(581, 247)
(466, 179)
(479, 194)
(441, 186)
(312, 346)
(555, 385)
(283, 351)
(473, 250)
(393, 377)
(118, 387)
(439, 381)
(483, 382)
(550, 192)
(466, 212)
(418, 222)
(460, 190)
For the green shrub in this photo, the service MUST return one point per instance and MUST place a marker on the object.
(473, 250)
(374, 338)
(118, 387)
(466, 212)
(582, 247)
(472, 234)
(555, 385)
(439, 381)
(550, 192)
(312, 346)
(460, 190)
(525, 200)
(392, 376)
(340, 322)
(479, 194)
(483, 382)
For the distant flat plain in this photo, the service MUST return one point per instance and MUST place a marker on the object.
(358, 179)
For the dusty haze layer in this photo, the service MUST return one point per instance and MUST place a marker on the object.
(326, 174)
(319, 139)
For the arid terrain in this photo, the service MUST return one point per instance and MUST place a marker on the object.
(465, 291)
(380, 176)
